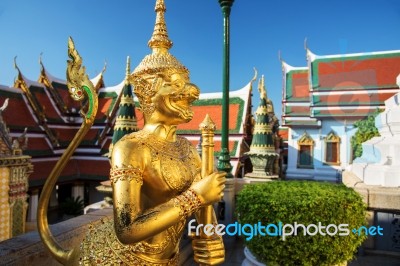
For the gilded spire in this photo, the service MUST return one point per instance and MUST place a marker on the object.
(15, 65)
(128, 68)
(41, 62)
(262, 89)
(43, 77)
(266, 105)
(160, 38)
(126, 116)
(263, 135)
(19, 81)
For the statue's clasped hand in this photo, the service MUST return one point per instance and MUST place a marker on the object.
(210, 188)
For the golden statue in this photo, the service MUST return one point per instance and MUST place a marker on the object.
(156, 175)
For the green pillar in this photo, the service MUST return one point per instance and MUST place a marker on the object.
(224, 163)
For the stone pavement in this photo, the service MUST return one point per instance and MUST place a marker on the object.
(235, 256)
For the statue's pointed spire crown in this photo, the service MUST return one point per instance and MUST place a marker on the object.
(160, 38)
(160, 60)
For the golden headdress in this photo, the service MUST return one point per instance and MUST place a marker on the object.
(160, 61)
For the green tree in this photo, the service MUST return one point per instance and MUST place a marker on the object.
(366, 130)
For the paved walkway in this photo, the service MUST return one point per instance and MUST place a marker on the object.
(234, 257)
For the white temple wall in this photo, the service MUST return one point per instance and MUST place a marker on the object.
(321, 170)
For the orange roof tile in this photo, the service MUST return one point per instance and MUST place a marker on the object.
(366, 70)
(65, 135)
(215, 112)
(62, 90)
(22, 117)
(283, 132)
(292, 110)
(46, 104)
(355, 111)
(38, 144)
(300, 85)
(104, 108)
(365, 98)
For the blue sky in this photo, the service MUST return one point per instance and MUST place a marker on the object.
(111, 30)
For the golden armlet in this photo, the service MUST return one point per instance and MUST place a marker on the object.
(188, 202)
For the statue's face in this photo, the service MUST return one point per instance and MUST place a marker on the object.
(174, 99)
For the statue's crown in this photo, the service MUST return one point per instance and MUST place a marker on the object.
(160, 60)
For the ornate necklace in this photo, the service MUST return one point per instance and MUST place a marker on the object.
(174, 160)
(178, 149)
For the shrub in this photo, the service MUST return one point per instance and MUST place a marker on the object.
(304, 202)
(366, 130)
(73, 206)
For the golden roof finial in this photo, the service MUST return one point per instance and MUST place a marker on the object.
(128, 68)
(19, 77)
(41, 62)
(43, 76)
(255, 74)
(15, 64)
(262, 89)
(104, 67)
(160, 38)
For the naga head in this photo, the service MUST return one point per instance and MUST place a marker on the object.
(75, 72)
(78, 83)
(161, 82)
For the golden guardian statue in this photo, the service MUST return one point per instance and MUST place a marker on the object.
(158, 178)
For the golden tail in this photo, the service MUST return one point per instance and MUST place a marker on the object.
(79, 85)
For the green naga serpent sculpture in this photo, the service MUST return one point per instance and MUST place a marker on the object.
(79, 86)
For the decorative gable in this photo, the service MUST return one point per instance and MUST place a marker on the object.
(305, 139)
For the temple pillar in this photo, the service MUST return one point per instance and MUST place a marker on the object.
(33, 205)
(53, 198)
(229, 199)
(78, 190)
(5, 223)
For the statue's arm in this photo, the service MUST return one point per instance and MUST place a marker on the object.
(132, 222)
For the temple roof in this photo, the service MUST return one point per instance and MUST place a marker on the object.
(296, 96)
(342, 86)
(17, 121)
(360, 71)
(45, 108)
(296, 83)
(283, 133)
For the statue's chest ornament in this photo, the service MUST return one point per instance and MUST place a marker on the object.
(174, 161)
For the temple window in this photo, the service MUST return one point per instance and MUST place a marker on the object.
(332, 148)
(305, 151)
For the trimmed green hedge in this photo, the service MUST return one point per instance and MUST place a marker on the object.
(303, 202)
(366, 130)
